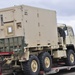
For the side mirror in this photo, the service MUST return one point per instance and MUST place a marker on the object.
(65, 27)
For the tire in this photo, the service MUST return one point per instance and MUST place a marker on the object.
(70, 61)
(45, 66)
(31, 67)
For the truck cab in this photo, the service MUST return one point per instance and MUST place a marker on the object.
(66, 38)
(67, 35)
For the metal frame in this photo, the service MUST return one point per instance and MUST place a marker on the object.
(57, 69)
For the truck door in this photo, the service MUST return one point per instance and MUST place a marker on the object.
(8, 19)
(71, 35)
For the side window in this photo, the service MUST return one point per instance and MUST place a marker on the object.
(70, 31)
(66, 32)
(9, 29)
(1, 20)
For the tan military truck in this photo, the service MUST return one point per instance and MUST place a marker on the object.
(31, 41)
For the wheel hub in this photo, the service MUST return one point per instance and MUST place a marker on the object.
(47, 62)
(72, 58)
(34, 65)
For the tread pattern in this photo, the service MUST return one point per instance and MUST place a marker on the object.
(42, 65)
(27, 66)
(68, 62)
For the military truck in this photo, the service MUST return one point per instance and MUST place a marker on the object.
(31, 41)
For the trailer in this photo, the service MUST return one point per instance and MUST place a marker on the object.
(57, 69)
(53, 71)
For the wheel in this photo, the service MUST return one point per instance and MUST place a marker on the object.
(31, 67)
(45, 61)
(70, 61)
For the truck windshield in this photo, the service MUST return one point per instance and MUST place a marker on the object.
(68, 31)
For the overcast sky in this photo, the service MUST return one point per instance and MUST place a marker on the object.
(65, 8)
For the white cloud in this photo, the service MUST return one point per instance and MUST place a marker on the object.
(65, 8)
